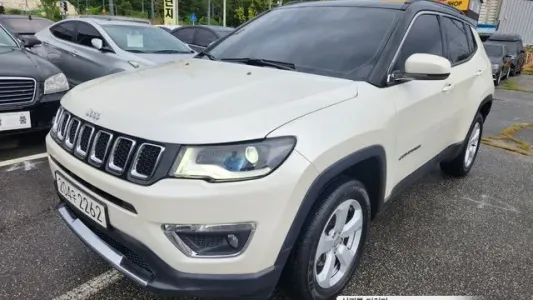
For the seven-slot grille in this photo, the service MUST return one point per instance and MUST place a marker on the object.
(103, 149)
(16, 90)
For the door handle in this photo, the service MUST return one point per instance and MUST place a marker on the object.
(478, 72)
(448, 87)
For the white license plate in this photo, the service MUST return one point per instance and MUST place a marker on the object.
(15, 120)
(83, 202)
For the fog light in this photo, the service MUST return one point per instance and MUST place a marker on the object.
(233, 240)
(218, 240)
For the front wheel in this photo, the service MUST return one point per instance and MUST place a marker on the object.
(331, 243)
(498, 78)
(463, 163)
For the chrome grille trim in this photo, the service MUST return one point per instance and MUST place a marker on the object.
(56, 119)
(63, 128)
(68, 143)
(111, 164)
(134, 173)
(20, 95)
(78, 151)
(92, 156)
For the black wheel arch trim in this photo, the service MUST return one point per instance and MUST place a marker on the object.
(488, 99)
(321, 182)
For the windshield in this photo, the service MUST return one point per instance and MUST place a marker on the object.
(26, 26)
(145, 39)
(333, 41)
(5, 39)
(494, 50)
(512, 47)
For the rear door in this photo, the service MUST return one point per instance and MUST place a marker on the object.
(466, 78)
(60, 46)
(89, 62)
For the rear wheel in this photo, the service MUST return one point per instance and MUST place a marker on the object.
(463, 163)
(331, 243)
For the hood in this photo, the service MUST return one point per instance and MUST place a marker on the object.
(196, 101)
(163, 58)
(19, 62)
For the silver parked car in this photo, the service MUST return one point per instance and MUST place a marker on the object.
(88, 48)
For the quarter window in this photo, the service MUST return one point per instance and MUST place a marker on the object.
(471, 39)
(86, 33)
(423, 37)
(64, 31)
(458, 49)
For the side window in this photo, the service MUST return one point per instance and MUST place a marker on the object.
(64, 31)
(86, 33)
(471, 39)
(185, 35)
(423, 37)
(204, 37)
(458, 49)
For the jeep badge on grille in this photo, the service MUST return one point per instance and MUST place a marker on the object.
(93, 115)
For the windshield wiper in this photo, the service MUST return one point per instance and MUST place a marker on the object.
(171, 51)
(136, 51)
(206, 54)
(263, 63)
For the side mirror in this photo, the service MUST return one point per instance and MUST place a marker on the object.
(30, 41)
(97, 43)
(522, 51)
(421, 66)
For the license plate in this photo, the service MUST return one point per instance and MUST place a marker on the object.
(15, 120)
(81, 200)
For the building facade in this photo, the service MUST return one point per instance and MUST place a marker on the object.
(516, 16)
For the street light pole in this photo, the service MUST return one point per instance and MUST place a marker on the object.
(208, 12)
(152, 10)
(224, 14)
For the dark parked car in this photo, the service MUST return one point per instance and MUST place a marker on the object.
(198, 37)
(500, 59)
(515, 46)
(30, 87)
(24, 25)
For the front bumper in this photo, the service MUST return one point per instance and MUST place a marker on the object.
(42, 113)
(126, 253)
(271, 202)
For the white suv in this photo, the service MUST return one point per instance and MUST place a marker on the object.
(263, 160)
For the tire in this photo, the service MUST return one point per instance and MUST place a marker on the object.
(304, 274)
(498, 78)
(461, 166)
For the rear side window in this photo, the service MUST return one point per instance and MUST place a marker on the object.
(86, 33)
(185, 35)
(64, 31)
(458, 47)
(423, 37)
(204, 37)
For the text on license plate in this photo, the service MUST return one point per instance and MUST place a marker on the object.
(83, 202)
(15, 120)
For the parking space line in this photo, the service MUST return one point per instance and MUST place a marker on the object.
(92, 287)
(22, 159)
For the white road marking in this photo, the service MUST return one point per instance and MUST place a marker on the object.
(483, 203)
(92, 287)
(26, 165)
(22, 159)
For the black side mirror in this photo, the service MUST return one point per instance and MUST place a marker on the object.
(30, 41)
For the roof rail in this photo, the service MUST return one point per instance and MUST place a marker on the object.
(444, 4)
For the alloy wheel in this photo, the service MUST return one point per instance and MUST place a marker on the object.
(338, 244)
(473, 143)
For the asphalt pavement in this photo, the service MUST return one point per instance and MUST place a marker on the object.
(443, 236)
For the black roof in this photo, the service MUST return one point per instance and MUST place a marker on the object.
(387, 4)
(510, 37)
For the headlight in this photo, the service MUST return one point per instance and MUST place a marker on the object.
(232, 162)
(495, 66)
(55, 84)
